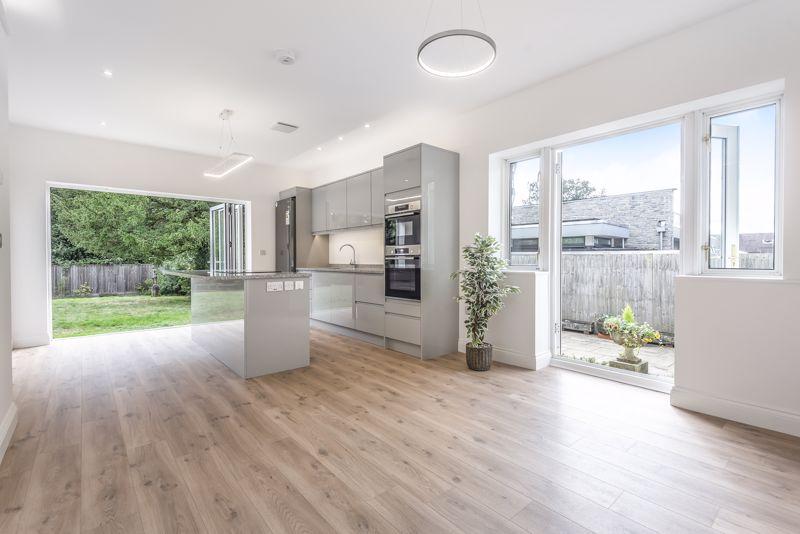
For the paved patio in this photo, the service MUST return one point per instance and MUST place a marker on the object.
(581, 346)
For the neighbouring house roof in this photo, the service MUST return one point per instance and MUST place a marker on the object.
(757, 242)
(583, 227)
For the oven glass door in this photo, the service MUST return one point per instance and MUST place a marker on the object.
(403, 277)
(402, 230)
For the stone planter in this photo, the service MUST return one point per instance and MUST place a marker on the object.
(479, 358)
(627, 359)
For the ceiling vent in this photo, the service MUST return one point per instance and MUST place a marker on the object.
(283, 127)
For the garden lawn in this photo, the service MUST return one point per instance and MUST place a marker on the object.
(101, 315)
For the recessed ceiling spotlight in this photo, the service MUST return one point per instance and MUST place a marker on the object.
(284, 56)
(319, 148)
(366, 125)
(108, 73)
(102, 123)
(341, 138)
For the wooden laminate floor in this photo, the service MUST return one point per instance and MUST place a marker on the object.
(145, 432)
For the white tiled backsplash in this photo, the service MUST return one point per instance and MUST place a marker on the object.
(368, 243)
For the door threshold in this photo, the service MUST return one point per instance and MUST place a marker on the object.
(661, 385)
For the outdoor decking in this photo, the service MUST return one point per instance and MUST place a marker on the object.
(586, 346)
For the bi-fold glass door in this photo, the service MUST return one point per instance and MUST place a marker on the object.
(227, 237)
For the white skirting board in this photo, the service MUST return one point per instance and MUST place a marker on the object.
(511, 357)
(7, 426)
(749, 414)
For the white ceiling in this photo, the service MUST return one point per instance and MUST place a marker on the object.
(177, 63)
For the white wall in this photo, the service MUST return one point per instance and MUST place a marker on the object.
(7, 407)
(739, 356)
(41, 156)
(748, 46)
(368, 243)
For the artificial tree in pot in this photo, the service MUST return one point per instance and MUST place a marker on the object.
(482, 291)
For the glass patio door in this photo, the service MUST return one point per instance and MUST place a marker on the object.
(227, 227)
(616, 247)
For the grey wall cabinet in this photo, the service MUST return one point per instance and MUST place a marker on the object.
(376, 177)
(336, 198)
(319, 211)
(351, 203)
(359, 200)
(402, 170)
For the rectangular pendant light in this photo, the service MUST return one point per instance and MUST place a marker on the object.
(228, 165)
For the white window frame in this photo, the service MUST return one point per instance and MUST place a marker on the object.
(693, 199)
(703, 119)
(507, 207)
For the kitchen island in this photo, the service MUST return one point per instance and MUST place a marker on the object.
(256, 323)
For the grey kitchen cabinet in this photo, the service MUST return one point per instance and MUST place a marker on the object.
(370, 318)
(378, 210)
(336, 205)
(342, 299)
(370, 288)
(321, 285)
(359, 200)
(319, 211)
(402, 170)
(403, 328)
(332, 298)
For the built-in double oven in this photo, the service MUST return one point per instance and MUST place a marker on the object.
(403, 251)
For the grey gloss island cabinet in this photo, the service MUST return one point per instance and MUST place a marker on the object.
(354, 202)
(256, 323)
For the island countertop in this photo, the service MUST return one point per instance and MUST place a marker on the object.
(237, 275)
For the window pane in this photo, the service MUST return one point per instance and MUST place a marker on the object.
(524, 224)
(742, 190)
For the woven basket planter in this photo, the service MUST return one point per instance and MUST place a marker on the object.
(479, 358)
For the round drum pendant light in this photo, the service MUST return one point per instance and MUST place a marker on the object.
(456, 53)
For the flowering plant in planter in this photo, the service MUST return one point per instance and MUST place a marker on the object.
(626, 332)
(482, 291)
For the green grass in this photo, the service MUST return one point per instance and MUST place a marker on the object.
(87, 316)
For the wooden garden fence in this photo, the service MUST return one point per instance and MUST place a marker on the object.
(596, 283)
(99, 279)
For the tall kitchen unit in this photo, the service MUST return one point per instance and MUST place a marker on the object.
(427, 327)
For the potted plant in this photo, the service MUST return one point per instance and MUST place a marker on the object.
(631, 336)
(482, 291)
(600, 327)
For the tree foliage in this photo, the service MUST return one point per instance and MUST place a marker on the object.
(571, 189)
(102, 227)
(482, 287)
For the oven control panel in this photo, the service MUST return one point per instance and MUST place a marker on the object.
(406, 207)
(408, 250)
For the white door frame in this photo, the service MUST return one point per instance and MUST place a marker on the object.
(555, 253)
